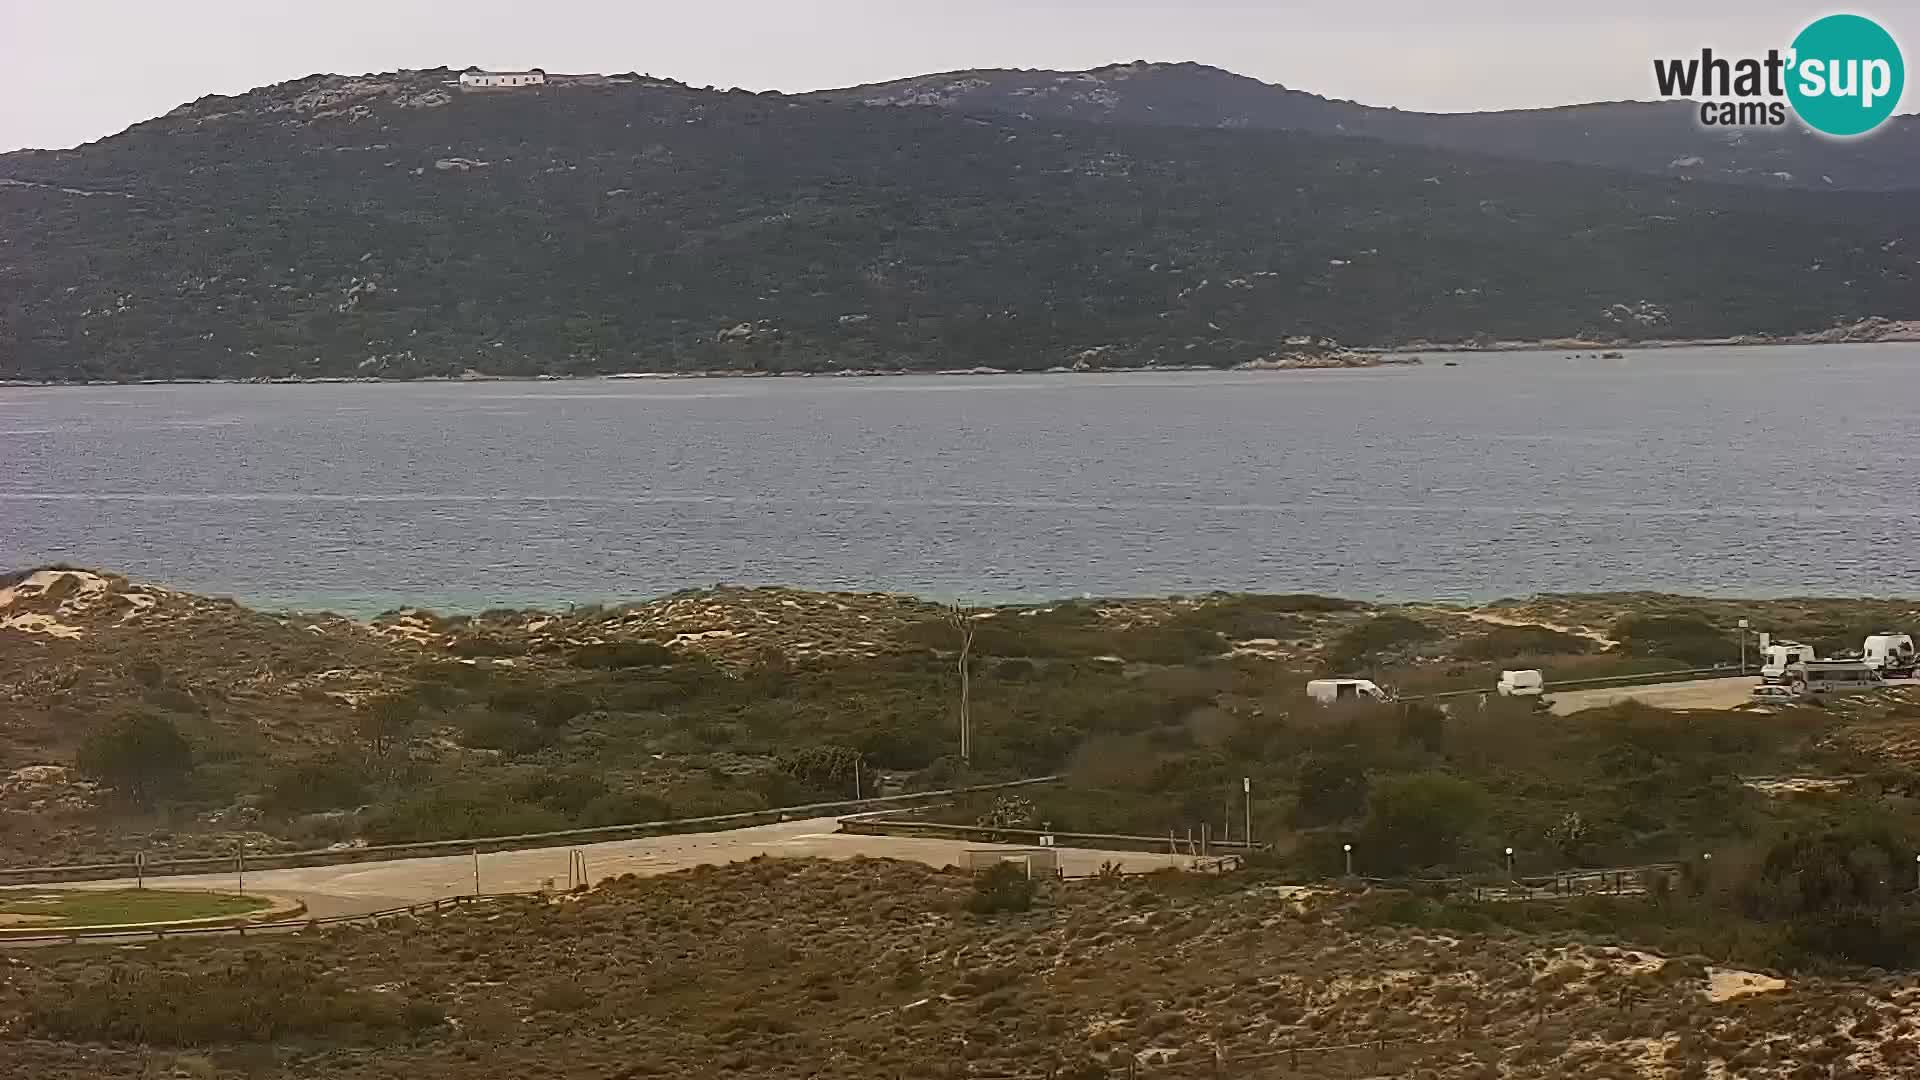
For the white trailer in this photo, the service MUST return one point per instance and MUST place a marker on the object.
(1778, 656)
(1892, 654)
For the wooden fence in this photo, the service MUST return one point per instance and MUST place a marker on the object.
(285, 926)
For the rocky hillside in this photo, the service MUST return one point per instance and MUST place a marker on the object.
(392, 226)
(1657, 138)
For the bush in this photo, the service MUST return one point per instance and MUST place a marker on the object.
(457, 811)
(1690, 639)
(1332, 787)
(619, 655)
(547, 706)
(1000, 888)
(564, 791)
(509, 734)
(308, 787)
(562, 996)
(140, 756)
(1418, 821)
(1377, 635)
(1513, 642)
(1829, 872)
(260, 1002)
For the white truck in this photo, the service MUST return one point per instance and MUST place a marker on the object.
(1892, 654)
(1333, 691)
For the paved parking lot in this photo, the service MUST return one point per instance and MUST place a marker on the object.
(1698, 694)
(371, 886)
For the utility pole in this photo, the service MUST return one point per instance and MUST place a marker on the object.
(1246, 789)
(1743, 646)
(962, 621)
(476, 873)
(856, 778)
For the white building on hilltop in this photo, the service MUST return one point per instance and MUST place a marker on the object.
(475, 79)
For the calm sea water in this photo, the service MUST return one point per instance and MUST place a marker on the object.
(1721, 471)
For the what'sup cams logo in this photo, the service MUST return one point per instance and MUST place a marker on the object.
(1842, 76)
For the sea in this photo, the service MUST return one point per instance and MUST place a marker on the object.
(1762, 472)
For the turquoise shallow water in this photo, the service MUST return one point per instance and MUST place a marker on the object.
(1731, 471)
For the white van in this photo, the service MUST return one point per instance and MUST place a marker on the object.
(1780, 656)
(1330, 691)
(1893, 654)
(1816, 678)
(1524, 683)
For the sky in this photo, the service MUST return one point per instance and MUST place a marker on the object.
(76, 70)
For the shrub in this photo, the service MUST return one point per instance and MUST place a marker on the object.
(1688, 638)
(618, 655)
(564, 791)
(547, 706)
(563, 996)
(1511, 642)
(1000, 888)
(455, 811)
(1377, 635)
(1421, 820)
(259, 1002)
(140, 756)
(509, 734)
(1332, 787)
(308, 787)
(1828, 872)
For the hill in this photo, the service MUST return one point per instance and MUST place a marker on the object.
(134, 717)
(391, 226)
(1660, 138)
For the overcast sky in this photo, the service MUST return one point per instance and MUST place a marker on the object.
(76, 70)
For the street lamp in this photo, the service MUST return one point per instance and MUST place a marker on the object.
(1743, 646)
(1348, 848)
(1509, 864)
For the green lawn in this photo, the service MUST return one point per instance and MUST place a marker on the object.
(95, 907)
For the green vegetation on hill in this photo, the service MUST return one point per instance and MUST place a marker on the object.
(206, 726)
(1663, 138)
(384, 226)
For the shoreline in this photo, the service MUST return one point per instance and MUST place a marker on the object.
(1358, 358)
(1355, 360)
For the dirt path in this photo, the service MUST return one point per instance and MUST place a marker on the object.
(1502, 620)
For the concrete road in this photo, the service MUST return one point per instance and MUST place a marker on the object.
(1699, 694)
(371, 886)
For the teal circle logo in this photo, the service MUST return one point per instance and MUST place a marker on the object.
(1847, 75)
